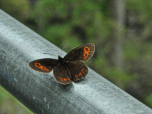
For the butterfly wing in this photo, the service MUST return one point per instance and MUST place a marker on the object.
(43, 65)
(81, 53)
(62, 74)
(78, 70)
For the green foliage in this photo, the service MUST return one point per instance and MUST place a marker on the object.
(9, 105)
(148, 100)
(16, 8)
(114, 75)
(56, 21)
(132, 51)
(74, 22)
(143, 10)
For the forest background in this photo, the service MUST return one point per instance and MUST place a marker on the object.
(120, 30)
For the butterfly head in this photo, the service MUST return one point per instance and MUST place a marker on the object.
(61, 60)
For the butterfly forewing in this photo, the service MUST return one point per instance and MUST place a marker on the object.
(62, 74)
(43, 65)
(78, 70)
(81, 53)
(67, 69)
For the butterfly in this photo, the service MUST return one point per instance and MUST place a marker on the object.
(67, 69)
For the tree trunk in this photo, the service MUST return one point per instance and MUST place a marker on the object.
(118, 15)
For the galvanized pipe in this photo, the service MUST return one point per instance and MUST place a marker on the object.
(40, 92)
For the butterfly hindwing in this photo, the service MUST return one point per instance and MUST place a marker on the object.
(81, 53)
(43, 65)
(67, 69)
(78, 70)
(62, 74)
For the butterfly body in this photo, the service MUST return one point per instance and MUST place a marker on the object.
(61, 60)
(69, 68)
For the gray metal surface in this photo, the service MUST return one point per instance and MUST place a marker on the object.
(40, 92)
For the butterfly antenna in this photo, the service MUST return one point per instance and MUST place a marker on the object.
(49, 54)
(62, 48)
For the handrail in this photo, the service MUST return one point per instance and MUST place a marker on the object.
(40, 92)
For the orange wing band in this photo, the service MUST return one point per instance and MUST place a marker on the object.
(38, 65)
(82, 71)
(86, 52)
(63, 79)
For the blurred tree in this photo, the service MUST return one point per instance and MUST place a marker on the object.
(117, 9)
(120, 29)
(32, 2)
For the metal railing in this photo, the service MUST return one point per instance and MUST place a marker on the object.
(40, 92)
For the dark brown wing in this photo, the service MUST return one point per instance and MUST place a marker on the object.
(62, 74)
(78, 70)
(81, 53)
(43, 65)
